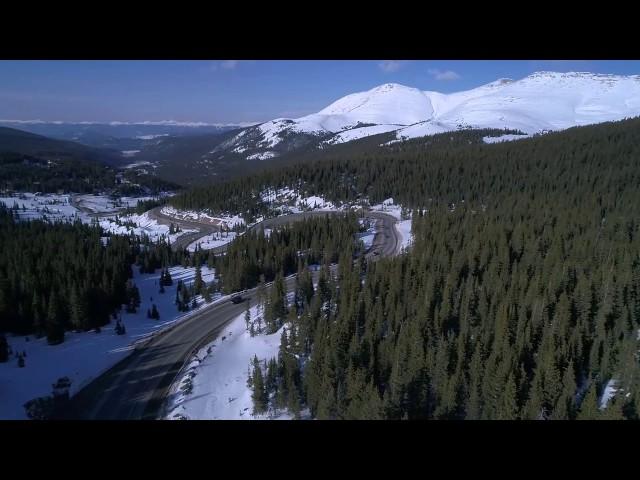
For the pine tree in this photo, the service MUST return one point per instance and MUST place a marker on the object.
(259, 394)
(54, 326)
(589, 407)
(4, 349)
(197, 284)
(509, 406)
(206, 294)
(78, 311)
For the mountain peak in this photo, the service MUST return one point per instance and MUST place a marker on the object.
(386, 87)
(542, 101)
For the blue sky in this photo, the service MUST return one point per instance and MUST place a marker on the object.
(236, 91)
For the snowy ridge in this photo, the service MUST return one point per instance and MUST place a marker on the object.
(542, 101)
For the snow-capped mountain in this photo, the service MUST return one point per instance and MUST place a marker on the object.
(543, 101)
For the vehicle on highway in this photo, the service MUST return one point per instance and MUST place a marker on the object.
(237, 299)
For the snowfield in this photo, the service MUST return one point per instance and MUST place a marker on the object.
(85, 355)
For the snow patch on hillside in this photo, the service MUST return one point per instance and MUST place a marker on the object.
(262, 156)
(356, 133)
(609, 392)
(315, 202)
(504, 138)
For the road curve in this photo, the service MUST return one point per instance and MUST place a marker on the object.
(136, 387)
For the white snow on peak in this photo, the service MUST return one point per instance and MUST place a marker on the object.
(390, 103)
(542, 101)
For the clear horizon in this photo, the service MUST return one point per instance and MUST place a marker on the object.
(235, 92)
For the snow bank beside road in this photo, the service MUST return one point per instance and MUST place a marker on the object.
(214, 385)
(84, 356)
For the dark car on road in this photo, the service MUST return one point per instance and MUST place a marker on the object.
(237, 299)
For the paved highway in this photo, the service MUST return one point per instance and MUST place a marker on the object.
(136, 387)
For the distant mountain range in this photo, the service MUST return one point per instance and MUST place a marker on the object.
(25, 143)
(121, 136)
(198, 153)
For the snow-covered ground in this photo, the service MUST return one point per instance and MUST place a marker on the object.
(217, 376)
(60, 207)
(388, 207)
(105, 204)
(229, 221)
(84, 356)
(404, 229)
(367, 236)
(143, 226)
(609, 392)
(33, 206)
(216, 239)
(315, 202)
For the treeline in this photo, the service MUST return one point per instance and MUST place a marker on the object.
(347, 173)
(255, 255)
(27, 173)
(20, 172)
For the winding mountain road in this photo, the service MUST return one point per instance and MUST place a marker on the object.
(136, 387)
